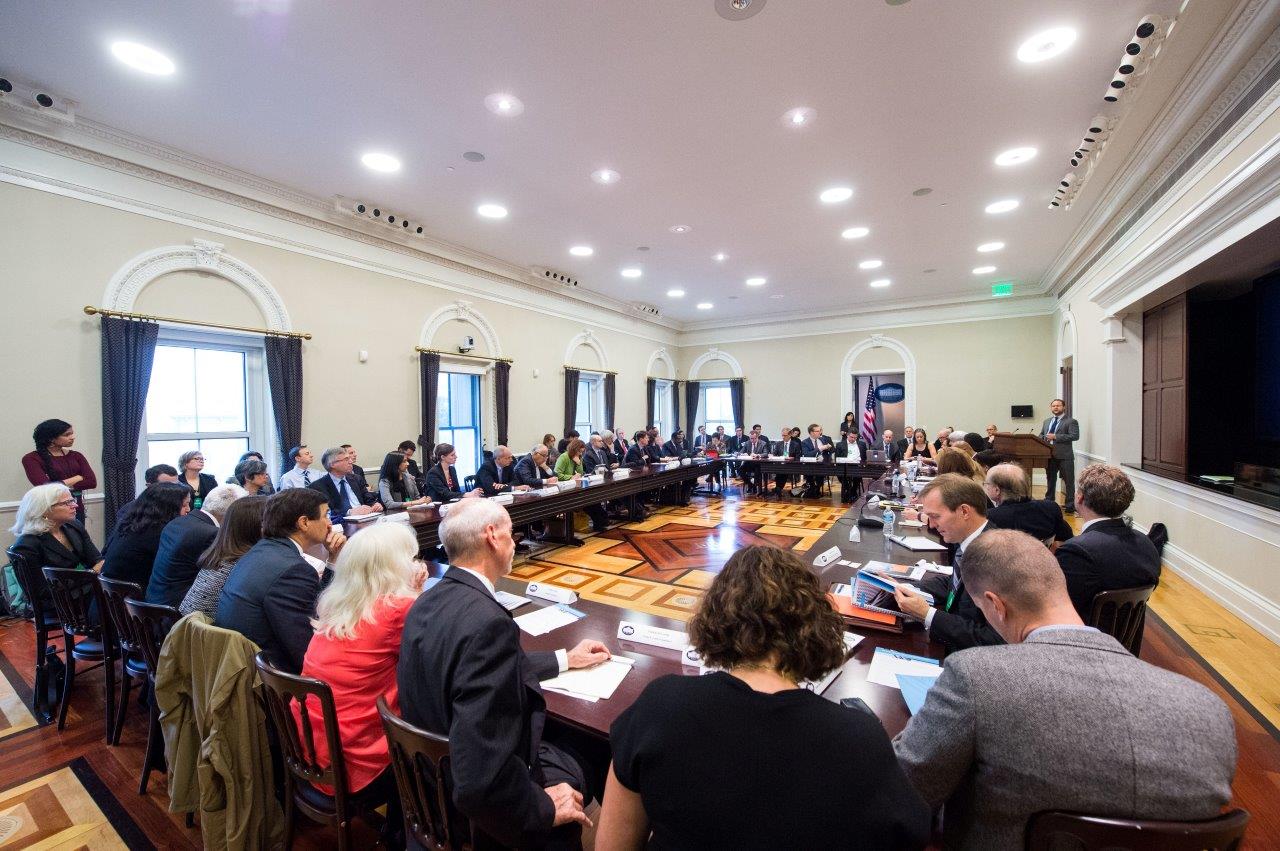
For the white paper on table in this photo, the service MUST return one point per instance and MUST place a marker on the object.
(886, 664)
(819, 686)
(917, 543)
(510, 602)
(596, 683)
(545, 619)
(944, 569)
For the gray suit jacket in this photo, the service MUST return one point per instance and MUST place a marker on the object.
(1068, 433)
(1067, 720)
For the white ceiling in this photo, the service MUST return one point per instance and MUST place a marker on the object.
(684, 104)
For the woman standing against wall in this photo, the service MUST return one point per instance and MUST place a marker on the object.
(53, 460)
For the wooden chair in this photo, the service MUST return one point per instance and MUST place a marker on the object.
(87, 635)
(31, 581)
(1050, 830)
(116, 591)
(149, 625)
(297, 737)
(1122, 614)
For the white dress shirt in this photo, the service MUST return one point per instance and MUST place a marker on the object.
(955, 574)
(562, 656)
(297, 478)
(318, 563)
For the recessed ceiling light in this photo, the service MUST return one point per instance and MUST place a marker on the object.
(492, 211)
(705, 305)
(984, 270)
(605, 176)
(721, 257)
(835, 195)
(1002, 206)
(1014, 156)
(380, 162)
(987, 247)
(676, 293)
(139, 57)
(504, 104)
(631, 272)
(756, 282)
(870, 264)
(1047, 44)
(680, 228)
(582, 251)
(880, 282)
(801, 116)
(855, 233)
(922, 191)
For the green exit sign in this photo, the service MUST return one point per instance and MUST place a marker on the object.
(998, 290)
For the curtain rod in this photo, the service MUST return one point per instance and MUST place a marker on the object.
(421, 350)
(102, 311)
(588, 369)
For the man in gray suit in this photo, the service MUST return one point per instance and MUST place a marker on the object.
(1062, 431)
(1060, 718)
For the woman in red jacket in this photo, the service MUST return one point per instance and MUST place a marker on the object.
(55, 461)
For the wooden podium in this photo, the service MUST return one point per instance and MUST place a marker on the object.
(1028, 451)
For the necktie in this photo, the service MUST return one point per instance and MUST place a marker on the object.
(1053, 427)
(306, 477)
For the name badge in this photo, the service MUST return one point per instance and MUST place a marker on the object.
(551, 592)
(653, 636)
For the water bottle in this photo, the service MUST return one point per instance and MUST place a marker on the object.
(888, 518)
(895, 487)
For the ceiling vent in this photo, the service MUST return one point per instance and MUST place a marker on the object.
(562, 278)
(36, 101)
(647, 309)
(368, 210)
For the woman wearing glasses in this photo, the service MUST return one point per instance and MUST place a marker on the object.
(190, 465)
(49, 534)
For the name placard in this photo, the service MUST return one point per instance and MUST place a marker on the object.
(825, 558)
(621, 473)
(553, 593)
(654, 636)
(551, 491)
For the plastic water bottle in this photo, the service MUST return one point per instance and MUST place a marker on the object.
(895, 487)
(888, 518)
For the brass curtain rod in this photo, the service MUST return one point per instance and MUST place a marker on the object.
(586, 369)
(101, 311)
(421, 350)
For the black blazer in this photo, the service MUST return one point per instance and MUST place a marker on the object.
(893, 454)
(790, 448)
(761, 447)
(671, 450)
(653, 451)
(842, 449)
(528, 474)
(270, 598)
(1039, 518)
(463, 674)
(182, 541)
(438, 489)
(594, 459)
(636, 456)
(490, 474)
(1107, 556)
(337, 501)
(130, 557)
(44, 550)
(962, 625)
(822, 448)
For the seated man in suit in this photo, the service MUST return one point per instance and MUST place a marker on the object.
(891, 448)
(497, 475)
(756, 446)
(301, 475)
(532, 470)
(638, 455)
(270, 594)
(462, 673)
(653, 449)
(852, 446)
(1060, 718)
(1007, 486)
(700, 439)
(158, 473)
(957, 508)
(359, 480)
(182, 541)
(816, 445)
(342, 495)
(597, 458)
(786, 447)
(676, 447)
(569, 434)
(1108, 554)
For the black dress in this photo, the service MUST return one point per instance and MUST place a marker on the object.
(720, 765)
(45, 550)
(129, 557)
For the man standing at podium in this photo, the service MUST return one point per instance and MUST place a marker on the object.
(1062, 431)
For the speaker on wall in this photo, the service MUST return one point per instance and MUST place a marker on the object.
(1021, 412)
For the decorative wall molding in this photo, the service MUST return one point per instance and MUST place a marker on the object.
(201, 256)
(879, 341)
(660, 356)
(708, 356)
(586, 338)
(463, 311)
(1112, 329)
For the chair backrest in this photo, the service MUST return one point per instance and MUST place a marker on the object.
(421, 764)
(1121, 614)
(1050, 830)
(297, 733)
(115, 592)
(468, 483)
(31, 581)
(75, 593)
(149, 625)
(1159, 535)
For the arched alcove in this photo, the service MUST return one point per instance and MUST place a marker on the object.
(660, 362)
(459, 317)
(710, 355)
(869, 355)
(587, 339)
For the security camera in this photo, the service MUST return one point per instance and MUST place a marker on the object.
(466, 344)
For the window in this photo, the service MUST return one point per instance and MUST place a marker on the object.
(458, 418)
(208, 394)
(590, 405)
(717, 407)
(664, 417)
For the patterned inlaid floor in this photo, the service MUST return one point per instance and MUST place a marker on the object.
(661, 565)
(56, 810)
(15, 715)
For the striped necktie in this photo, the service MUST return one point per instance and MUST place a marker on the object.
(306, 477)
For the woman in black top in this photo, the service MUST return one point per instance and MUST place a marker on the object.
(132, 549)
(189, 466)
(746, 757)
(920, 447)
(49, 535)
(442, 478)
(848, 424)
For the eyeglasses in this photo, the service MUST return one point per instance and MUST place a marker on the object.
(66, 503)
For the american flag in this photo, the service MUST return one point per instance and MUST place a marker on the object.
(868, 429)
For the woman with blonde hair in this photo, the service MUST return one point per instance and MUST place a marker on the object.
(356, 646)
(952, 460)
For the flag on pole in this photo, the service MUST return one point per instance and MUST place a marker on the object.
(868, 429)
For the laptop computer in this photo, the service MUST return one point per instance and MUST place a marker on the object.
(875, 456)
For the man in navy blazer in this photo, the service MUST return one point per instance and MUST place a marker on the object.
(463, 674)
(343, 498)
(1108, 554)
(182, 541)
(851, 486)
(1008, 487)
(638, 455)
(497, 474)
(270, 595)
(816, 445)
(891, 448)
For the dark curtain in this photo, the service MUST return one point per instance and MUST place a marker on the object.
(502, 397)
(691, 405)
(736, 399)
(284, 377)
(675, 405)
(429, 366)
(571, 377)
(650, 389)
(128, 350)
(610, 397)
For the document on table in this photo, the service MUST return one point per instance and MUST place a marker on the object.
(510, 602)
(543, 620)
(917, 543)
(592, 684)
(914, 690)
(887, 664)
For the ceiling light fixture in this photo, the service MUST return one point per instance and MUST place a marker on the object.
(870, 264)
(721, 257)
(801, 116)
(504, 104)
(680, 228)
(676, 293)
(756, 282)
(492, 211)
(984, 270)
(582, 251)
(835, 195)
(378, 161)
(605, 176)
(880, 282)
(1004, 206)
(705, 305)
(1016, 156)
(1047, 44)
(631, 272)
(139, 57)
(855, 233)
(988, 247)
